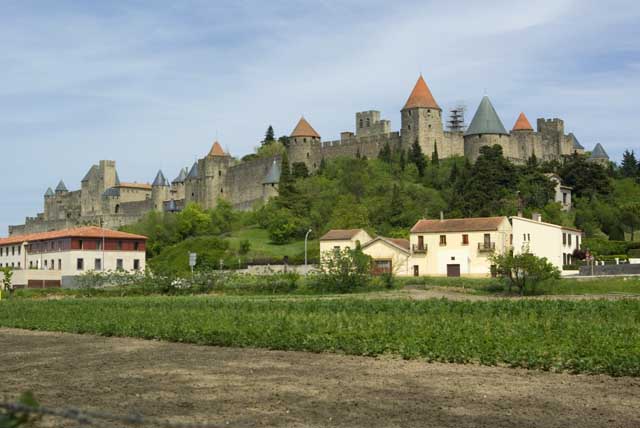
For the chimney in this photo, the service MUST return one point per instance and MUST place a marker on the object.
(441, 215)
(536, 217)
(519, 214)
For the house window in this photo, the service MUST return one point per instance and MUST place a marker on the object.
(53, 265)
(45, 264)
(569, 239)
(18, 265)
(443, 239)
(564, 239)
(511, 239)
(80, 264)
(420, 242)
(577, 242)
(97, 265)
(19, 250)
(136, 264)
(465, 239)
(31, 264)
(119, 264)
(136, 246)
(80, 243)
(119, 245)
(416, 270)
(59, 264)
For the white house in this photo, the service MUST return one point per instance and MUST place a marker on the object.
(562, 192)
(41, 259)
(339, 239)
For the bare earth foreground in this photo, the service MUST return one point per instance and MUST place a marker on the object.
(252, 387)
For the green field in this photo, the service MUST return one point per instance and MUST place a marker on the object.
(578, 336)
(262, 247)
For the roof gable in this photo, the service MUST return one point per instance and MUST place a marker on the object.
(160, 180)
(486, 120)
(421, 96)
(216, 150)
(78, 232)
(522, 124)
(194, 171)
(304, 129)
(399, 244)
(341, 234)
(599, 153)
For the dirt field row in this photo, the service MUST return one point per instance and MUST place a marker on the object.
(249, 387)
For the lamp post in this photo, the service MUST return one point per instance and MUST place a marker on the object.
(305, 247)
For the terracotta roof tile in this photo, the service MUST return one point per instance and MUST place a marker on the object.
(216, 150)
(304, 129)
(421, 96)
(458, 225)
(340, 234)
(78, 232)
(404, 243)
(522, 124)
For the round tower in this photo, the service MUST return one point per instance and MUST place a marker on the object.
(160, 191)
(524, 139)
(486, 129)
(304, 145)
(213, 173)
(422, 121)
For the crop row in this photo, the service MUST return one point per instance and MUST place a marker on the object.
(576, 336)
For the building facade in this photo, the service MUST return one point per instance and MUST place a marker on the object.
(43, 259)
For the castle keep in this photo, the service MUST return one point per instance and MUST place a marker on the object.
(104, 200)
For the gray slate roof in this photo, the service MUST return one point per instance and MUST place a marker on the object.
(598, 152)
(49, 192)
(112, 191)
(182, 176)
(89, 173)
(160, 180)
(117, 179)
(194, 171)
(61, 187)
(486, 120)
(273, 176)
(576, 143)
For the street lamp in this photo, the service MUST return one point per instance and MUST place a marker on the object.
(305, 247)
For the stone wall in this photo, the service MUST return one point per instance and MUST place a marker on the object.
(243, 184)
(621, 269)
(65, 205)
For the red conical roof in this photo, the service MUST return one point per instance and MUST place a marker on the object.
(216, 150)
(421, 96)
(303, 129)
(522, 124)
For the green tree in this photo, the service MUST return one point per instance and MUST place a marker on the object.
(284, 140)
(630, 217)
(403, 160)
(269, 136)
(344, 271)
(193, 221)
(7, 276)
(536, 190)
(587, 178)
(245, 247)
(299, 170)
(629, 167)
(385, 153)
(417, 157)
(435, 161)
(523, 271)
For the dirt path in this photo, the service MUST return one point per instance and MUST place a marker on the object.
(249, 387)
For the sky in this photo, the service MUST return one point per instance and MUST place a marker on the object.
(151, 83)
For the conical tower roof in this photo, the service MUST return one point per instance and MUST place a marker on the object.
(273, 176)
(598, 152)
(117, 179)
(49, 192)
(160, 180)
(193, 173)
(576, 143)
(216, 150)
(486, 120)
(522, 124)
(61, 187)
(181, 177)
(304, 129)
(421, 96)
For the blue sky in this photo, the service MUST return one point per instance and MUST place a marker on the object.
(151, 84)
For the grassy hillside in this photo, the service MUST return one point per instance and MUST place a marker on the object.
(262, 247)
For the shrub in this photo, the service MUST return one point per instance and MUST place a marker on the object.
(342, 271)
(524, 271)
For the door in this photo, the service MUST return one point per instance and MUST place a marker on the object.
(453, 270)
(416, 270)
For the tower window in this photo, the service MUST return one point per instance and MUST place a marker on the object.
(368, 122)
(304, 140)
(221, 190)
(408, 126)
(307, 155)
(220, 173)
(360, 123)
(429, 126)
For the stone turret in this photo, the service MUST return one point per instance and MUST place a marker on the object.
(422, 120)
(486, 129)
(575, 144)
(212, 173)
(159, 191)
(178, 184)
(304, 145)
(271, 180)
(49, 193)
(61, 188)
(522, 124)
(598, 155)
(191, 188)
(99, 178)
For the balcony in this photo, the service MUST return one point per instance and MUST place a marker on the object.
(486, 247)
(417, 249)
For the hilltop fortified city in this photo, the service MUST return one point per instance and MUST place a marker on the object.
(104, 200)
